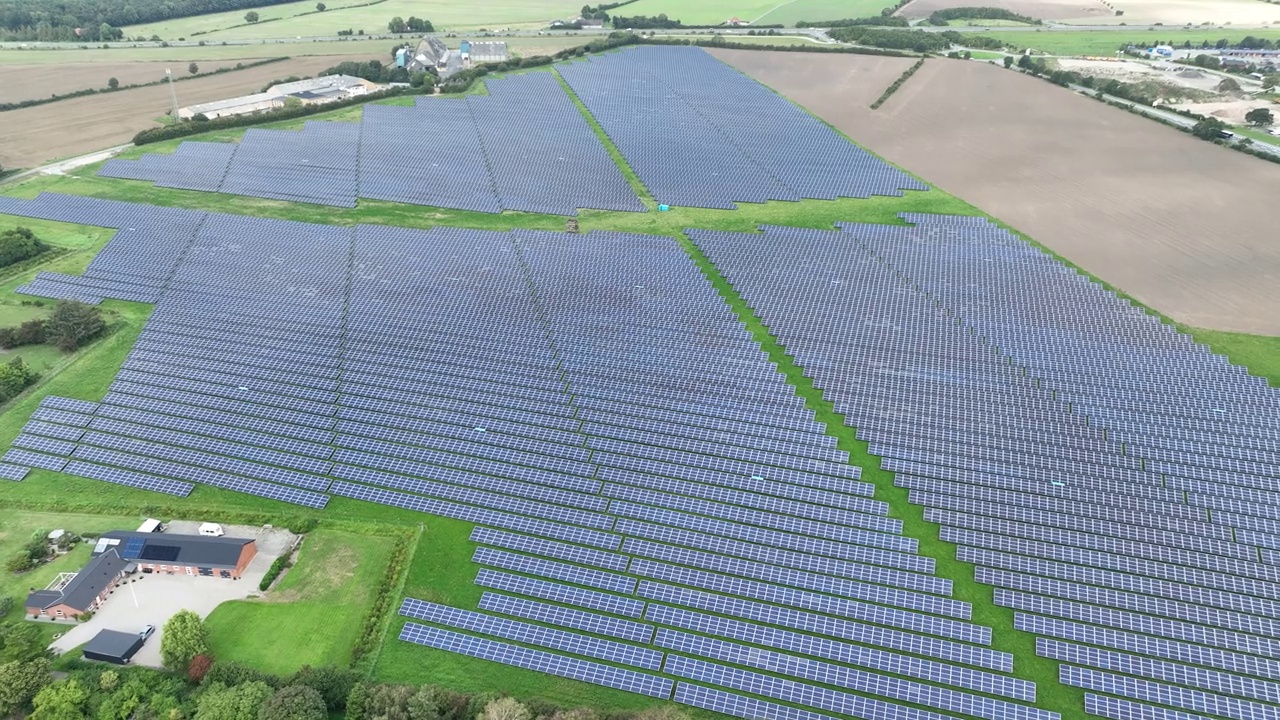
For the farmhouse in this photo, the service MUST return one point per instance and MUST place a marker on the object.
(69, 598)
(121, 553)
(178, 554)
(430, 53)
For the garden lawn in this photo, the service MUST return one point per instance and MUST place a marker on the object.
(17, 527)
(314, 614)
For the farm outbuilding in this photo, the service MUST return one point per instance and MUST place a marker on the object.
(181, 554)
(113, 646)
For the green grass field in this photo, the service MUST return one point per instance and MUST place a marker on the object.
(324, 590)
(1107, 42)
(446, 15)
(330, 587)
(789, 13)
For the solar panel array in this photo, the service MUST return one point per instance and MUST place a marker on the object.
(524, 146)
(630, 458)
(701, 133)
(1113, 480)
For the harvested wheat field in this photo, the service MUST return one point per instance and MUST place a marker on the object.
(1039, 9)
(36, 135)
(1247, 13)
(33, 82)
(1182, 225)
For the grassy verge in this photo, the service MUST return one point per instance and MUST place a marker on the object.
(328, 588)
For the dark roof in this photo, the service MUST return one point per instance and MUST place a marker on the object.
(86, 586)
(306, 95)
(113, 646)
(43, 598)
(178, 549)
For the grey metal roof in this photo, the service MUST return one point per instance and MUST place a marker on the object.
(163, 548)
(114, 644)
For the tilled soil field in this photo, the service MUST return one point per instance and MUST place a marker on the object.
(1039, 9)
(36, 135)
(1180, 224)
(33, 82)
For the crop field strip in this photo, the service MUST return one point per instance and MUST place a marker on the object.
(1110, 478)
(526, 147)
(681, 517)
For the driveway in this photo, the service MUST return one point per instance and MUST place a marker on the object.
(151, 599)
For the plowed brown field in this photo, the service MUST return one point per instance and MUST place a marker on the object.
(1182, 225)
(33, 136)
(32, 82)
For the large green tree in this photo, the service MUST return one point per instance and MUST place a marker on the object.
(60, 701)
(72, 324)
(333, 684)
(18, 244)
(1259, 117)
(20, 641)
(294, 702)
(185, 636)
(242, 702)
(19, 683)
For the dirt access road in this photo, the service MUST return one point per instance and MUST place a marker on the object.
(1180, 224)
(34, 136)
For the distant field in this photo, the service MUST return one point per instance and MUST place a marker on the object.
(1041, 9)
(220, 21)
(1106, 42)
(1180, 12)
(37, 135)
(444, 14)
(789, 13)
(33, 82)
(704, 12)
(185, 54)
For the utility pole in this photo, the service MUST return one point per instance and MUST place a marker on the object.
(173, 94)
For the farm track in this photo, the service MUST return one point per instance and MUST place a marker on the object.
(1179, 224)
(34, 136)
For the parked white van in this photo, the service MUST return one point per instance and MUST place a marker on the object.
(211, 530)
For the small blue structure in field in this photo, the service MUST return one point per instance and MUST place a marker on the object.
(663, 208)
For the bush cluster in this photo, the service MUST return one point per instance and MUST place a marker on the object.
(15, 377)
(280, 564)
(19, 244)
(906, 75)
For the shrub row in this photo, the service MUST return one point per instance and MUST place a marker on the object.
(878, 21)
(280, 564)
(370, 631)
(941, 17)
(94, 91)
(906, 75)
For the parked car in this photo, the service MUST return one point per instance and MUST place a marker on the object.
(147, 631)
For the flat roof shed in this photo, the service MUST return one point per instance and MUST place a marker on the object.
(113, 646)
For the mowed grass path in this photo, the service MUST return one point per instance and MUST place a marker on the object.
(313, 615)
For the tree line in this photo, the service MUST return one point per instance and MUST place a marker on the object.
(942, 17)
(58, 20)
(878, 21)
(199, 687)
(916, 40)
